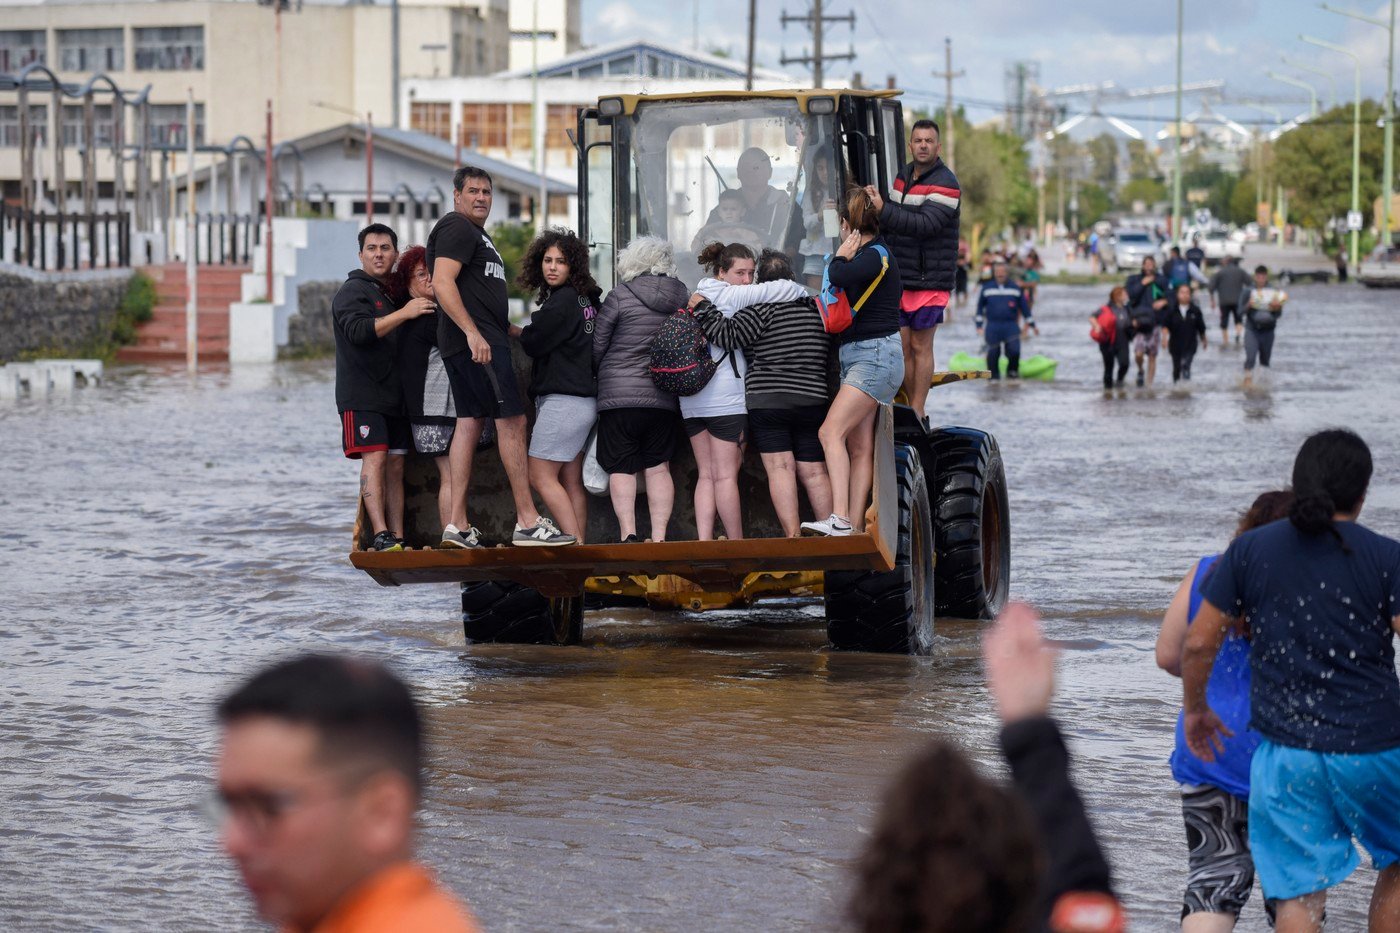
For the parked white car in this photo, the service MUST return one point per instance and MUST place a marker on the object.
(1218, 244)
(1131, 247)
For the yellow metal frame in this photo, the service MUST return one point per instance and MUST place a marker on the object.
(802, 96)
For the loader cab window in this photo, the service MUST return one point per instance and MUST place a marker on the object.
(728, 171)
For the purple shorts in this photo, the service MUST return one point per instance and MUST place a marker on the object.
(922, 318)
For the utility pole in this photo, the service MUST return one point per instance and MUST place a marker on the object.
(753, 21)
(394, 58)
(191, 243)
(948, 74)
(1388, 189)
(1176, 171)
(267, 206)
(816, 20)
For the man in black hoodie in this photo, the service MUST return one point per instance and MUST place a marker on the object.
(373, 426)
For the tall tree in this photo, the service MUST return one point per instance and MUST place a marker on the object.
(1313, 163)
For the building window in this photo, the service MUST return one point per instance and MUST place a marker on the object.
(521, 134)
(20, 47)
(561, 119)
(484, 126)
(9, 124)
(167, 125)
(102, 125)
(91, 50)
(431, 118)
(168, 48)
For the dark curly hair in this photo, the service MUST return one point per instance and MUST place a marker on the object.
(409, 260)
(531, 277)
(951, 852)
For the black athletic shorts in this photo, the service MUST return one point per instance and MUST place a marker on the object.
(485, 391)
(731, 428)
(631, 440)
(783, 430)
(1228, 311)
(366, 432)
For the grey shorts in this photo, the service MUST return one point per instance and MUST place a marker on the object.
(562, 423)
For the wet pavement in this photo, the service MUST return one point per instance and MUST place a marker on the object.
(675, 772)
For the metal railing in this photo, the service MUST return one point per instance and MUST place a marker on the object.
(55, 242)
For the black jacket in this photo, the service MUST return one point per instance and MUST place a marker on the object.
(879, 316)
(559, 338)
(1185, 327)
(1039, 762)
(366, 370)
(920, 223)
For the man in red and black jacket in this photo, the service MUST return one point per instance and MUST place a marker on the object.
(920, 223)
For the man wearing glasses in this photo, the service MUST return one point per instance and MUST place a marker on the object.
(319, 776)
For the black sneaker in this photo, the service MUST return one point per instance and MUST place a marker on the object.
(1141, 380)
(385, 542)
(631, 539)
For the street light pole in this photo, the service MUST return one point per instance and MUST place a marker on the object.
(1321, 73)
(1303, 85)
(1388, 189)
(1176, 172)
(1355, 138)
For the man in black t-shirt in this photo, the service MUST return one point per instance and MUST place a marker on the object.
(469, 282)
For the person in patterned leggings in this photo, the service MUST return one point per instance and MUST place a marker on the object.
(1215, 794)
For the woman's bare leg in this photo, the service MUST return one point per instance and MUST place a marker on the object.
(661, 497)
(861, 445)
(725, 459)
(544, 477)
(572, 478)
(702, 445)
(848, 410)
(622, 489)
(782, 489)
(817, 483)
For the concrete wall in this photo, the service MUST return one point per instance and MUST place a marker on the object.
(59, 313)
(309, 330)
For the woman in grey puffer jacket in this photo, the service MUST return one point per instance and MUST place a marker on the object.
(638, 424)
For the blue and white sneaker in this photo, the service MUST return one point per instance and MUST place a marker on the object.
(544, 534)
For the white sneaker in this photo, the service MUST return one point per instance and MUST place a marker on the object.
(835, 526)
(452, 537)
(544, 534)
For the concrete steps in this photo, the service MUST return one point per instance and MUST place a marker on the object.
(163, 337)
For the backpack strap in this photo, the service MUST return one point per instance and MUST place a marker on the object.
(884, 267)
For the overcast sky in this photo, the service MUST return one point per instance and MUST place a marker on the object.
(1131, 42)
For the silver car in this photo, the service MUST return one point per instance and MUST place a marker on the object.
(1131, 247)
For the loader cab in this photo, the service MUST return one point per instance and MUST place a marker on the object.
(762, 168)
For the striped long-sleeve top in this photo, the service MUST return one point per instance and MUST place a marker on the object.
(787, 349)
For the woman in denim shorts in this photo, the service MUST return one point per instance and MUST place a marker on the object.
(872, 366)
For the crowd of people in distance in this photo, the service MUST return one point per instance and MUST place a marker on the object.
(424, 341)
(1155, 308)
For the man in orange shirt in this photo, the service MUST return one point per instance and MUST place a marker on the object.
(319, 776)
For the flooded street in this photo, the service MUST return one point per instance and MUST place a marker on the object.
(678, 771)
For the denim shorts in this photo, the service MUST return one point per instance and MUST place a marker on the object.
(874, 366)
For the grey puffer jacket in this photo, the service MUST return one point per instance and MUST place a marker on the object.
(630, 317)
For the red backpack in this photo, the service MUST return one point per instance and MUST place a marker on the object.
(836, 309)
(1105, 327)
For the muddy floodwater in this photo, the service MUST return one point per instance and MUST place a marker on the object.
(161, 538)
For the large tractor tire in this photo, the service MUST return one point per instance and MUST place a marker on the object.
(890, 611)
(507, 613)
(972, 524)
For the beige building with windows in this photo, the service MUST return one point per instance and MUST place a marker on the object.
(331, 63)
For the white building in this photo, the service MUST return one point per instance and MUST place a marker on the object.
(493, 114)
(543, 31)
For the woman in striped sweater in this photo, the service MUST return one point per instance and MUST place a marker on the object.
(786, 388)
